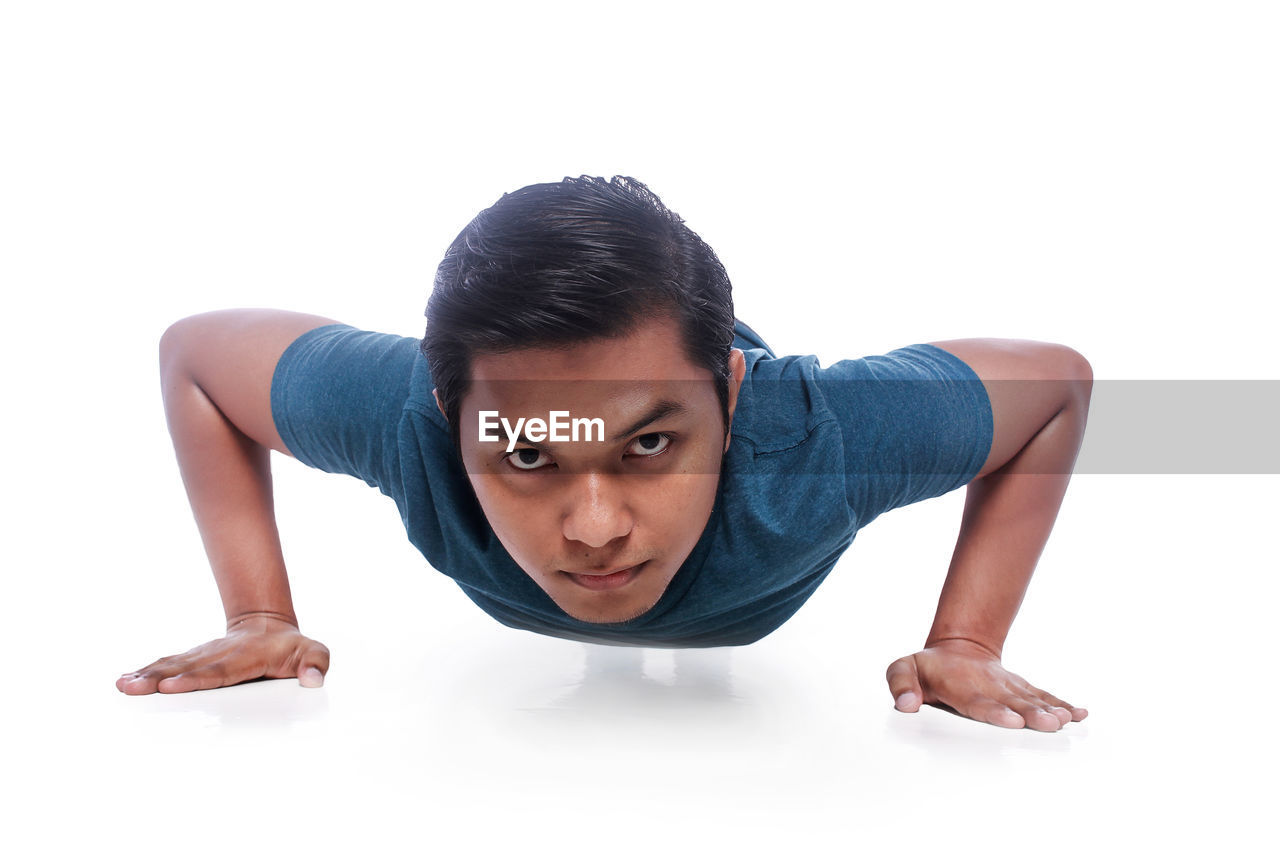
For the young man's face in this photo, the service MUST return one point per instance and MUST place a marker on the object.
(601, 523)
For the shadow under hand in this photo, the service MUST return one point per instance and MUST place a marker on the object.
(953, 736)
(260, 704)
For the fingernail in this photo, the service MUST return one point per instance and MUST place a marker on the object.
(905, 700)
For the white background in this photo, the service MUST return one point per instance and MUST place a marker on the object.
(1101, 174)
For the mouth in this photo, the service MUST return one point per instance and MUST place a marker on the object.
(607, 580)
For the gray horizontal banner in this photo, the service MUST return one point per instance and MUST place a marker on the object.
(1182, 426)
(889, 426)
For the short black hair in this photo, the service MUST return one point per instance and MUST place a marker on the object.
(563, 263)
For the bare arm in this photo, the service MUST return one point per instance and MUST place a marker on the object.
(1040, 402)
(215, 372)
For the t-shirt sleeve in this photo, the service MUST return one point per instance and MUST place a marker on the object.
(337, 397)
(916, 423)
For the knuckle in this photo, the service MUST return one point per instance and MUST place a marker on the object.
(1054, 700)
(898, 667)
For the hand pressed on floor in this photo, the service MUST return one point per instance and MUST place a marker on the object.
(258, 647)
(970, 679)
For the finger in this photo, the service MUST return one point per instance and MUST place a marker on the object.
(1037, 700)
(1036, 714)
(147, 679)
(313, 666)
(134, 685)
(904, 684)
(180, 683)
(149, 668)
(168, 664)
(219, 673)
(204, 678)
(1063, 714)
(993, 712)
(1072, 713)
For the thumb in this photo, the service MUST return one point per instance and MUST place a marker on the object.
(904, 684)
(314, 664)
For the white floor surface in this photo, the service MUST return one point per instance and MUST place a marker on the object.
(436, 724)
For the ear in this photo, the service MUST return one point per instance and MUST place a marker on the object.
(436, 395)
(737, 370)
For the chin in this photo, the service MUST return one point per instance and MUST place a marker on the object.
(610, 615)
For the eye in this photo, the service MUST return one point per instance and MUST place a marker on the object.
(528, 459)
(650, 444)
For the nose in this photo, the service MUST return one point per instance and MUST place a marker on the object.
(597, 512)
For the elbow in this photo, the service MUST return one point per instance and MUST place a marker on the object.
(1076, 370)
(1076, 366)
(175, 345)
(1067, 370)
(171, 346)
(170, 342)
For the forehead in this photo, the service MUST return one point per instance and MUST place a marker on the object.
(652, 352)
(611, 377)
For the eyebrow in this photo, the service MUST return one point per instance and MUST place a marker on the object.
(660, 409)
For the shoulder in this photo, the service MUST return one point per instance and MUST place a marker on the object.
(777, 408)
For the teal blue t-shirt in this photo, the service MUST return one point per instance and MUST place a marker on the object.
(817, 453)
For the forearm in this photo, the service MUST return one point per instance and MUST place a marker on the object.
(1008, 516)
(228, 481)
(1039, 395)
